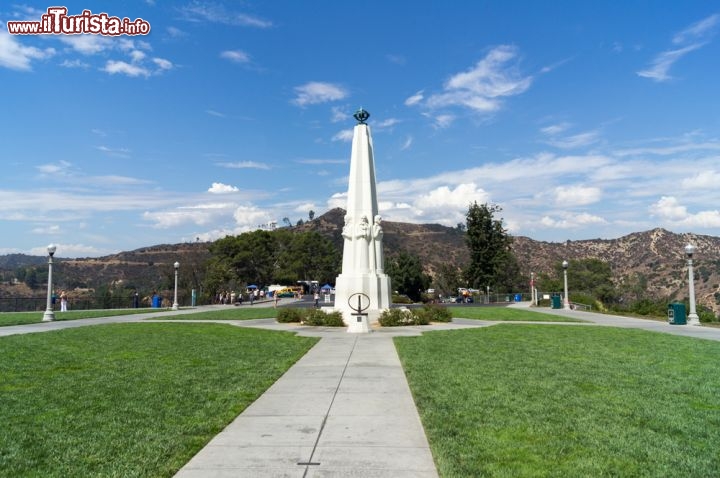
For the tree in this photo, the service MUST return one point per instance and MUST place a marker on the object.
(266, 257)
(447, 279)
(492, 262)
(286, 221)
(311, 215)
(407, 276)
(31, 278)
(591, 276)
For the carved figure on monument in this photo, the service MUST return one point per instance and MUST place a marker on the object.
(348, 253)
(377, 234)
(362, 245)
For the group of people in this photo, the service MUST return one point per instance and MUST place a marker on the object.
(231, 297)
(63, 300)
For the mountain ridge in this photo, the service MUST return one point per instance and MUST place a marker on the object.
(655, 256)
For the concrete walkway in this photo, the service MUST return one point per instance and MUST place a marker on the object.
(344, 410)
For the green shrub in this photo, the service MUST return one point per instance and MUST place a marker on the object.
(400, 317)
(706, 315)
(401, 299)
(319, 318)
(290, 314)
(434, 313)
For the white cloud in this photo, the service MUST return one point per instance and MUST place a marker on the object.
(697, 31)
(575, 141)
(659, 67)
(162, 63)
(408, 142)
(237, 56)
(482, 87)
(316, 92)
(137, 55)
(576, 195)
(86, 44)
(388, 123)
(47, 230)
(220, 188)
(414, 99)
(338, 114)
(215, 113)
(15, 56)
(555, 129)
(77, 63)
(344, 135)
(57, 168)
(669, 208)
(244, 165)
(572, 221)
(251, 217)
(112, 67)
(443, 121)
(702, 180)
(444, 197)
(198, 11)
(693, 37)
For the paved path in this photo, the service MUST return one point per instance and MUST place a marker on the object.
(344, 410)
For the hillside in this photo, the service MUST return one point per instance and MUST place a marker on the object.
(656, 255)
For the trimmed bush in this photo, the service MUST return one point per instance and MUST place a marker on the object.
(400, 317)
(434, 313)
(401, 299)
(290, 314)
(319, 318)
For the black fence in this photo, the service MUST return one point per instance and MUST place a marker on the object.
(36, 304)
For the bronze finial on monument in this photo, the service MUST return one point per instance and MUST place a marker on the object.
(361, 116)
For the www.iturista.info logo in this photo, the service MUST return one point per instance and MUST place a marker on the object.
(57, 22)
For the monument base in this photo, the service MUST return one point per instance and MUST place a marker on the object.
(359, 324)
(375, 289)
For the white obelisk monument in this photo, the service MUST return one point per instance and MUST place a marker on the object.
(362, 290)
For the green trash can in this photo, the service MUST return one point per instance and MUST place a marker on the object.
(676, 314)
(556, 302)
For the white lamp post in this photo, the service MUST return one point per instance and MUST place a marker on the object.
(49, 315)
(532, 288)
(566, 302)
(692, 318)
(175, 302)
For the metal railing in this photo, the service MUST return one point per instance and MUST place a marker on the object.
(37, 303)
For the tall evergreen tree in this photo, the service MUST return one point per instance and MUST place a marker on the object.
(492, 262)
(407, 276)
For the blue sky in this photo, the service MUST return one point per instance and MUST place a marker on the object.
(580, 119)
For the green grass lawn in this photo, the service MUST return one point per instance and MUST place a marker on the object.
(531, 400)
(506, 314)
(22, 318)
(134, 399)
(231, 313)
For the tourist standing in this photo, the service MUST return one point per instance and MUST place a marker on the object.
(63, 301)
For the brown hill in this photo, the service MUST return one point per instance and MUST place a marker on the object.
(655, 257)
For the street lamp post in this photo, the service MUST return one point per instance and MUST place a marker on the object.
(49, 315)
(532, 288)
(175, 302)
(566, 302)
(692, 318)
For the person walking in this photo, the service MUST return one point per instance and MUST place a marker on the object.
(317, 299)
(63, 301)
